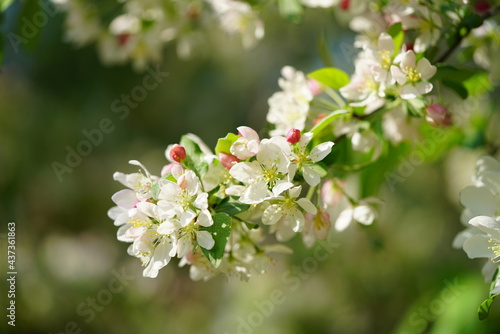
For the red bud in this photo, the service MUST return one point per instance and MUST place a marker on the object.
(177, 153)
(293, 136)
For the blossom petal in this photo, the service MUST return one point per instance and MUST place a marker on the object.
(311, 176)
(344, 219)
(124, 198)
(272, 214)
(398, 75)
(321, 151)
(477, 246)
(425, 68)
(488, 225)
(409, 92)
(307, 205)
(205, 239)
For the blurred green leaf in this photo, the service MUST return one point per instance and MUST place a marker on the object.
(5, 4)
(327, 120)
(220, 231)
(463, 81)
(331, 77)
(398, 35)
(484, 309)
(224, 144)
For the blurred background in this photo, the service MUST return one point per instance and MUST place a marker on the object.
(400, 276)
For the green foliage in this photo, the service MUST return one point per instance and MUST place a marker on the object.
(220, 231)
(398, 35)
(331, 77)
(5, 4)
(224, 144)
(328, 120)
(231, 206)
(484, 309)
(463, 81)
(194, 156)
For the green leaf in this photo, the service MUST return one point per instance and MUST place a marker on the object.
(291, 10)
(463, 81)
(327, 120)
(224, 144)
(231, 206)
(398, 35)
(220, 231)
(484, 309)
(5, 4)
(330, 77)
(194, 156)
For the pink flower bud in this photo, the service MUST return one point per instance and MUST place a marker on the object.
(293, 136)
(228, 160)
(168, 168)
(482, 6)
(315, 87)
(344, 4)
(438, 115)
(177, 153)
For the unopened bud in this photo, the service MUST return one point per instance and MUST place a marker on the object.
(228, 160)
(293, 136)
(344, 4)
(314, 86)
(177, 153)
(438, 115)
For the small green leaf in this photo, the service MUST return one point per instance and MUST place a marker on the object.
(224, 144)
(330, 77)
(231, 206)
(398, 35)
(464, 81)
(484, 309)
(220, 231)
(327, 120)
(195, 158)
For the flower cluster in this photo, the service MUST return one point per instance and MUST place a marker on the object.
(481, 238)
(209, 210)
(142, 28)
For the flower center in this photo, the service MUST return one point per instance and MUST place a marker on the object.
(385, 59)
(412, 74)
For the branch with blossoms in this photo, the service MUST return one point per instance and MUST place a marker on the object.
(214, 209)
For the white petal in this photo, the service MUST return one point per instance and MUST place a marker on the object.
(398, 75)
(248, 133)
(385, 42)
(321, 151)
(125, 198)
(344, 219)
(409, 92)
(205, 239)
(255, 193)
(477, 246)
(409, 59)
(307, 206)
(364, 214)
(479, 201)
(246, 172)
(423, 87)
(201, 201)
(280, 187)
(205, 218)
(296, 219)
(425, 68)
(167, 227)
(272, 214)
(311, 176)
(488, 225)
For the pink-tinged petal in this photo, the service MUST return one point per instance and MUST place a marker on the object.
(344, 219)
(409, 59)
(248, 133)
(423, 87)
(311, 176)
(425, 68)
(125, 198)
(477, 246)
(488, 225)
(321, 151)
(272, 214)
(398, 75)
(322, 225)
(409, 92)
(307, 206)
(255, 193)
(205, 239)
